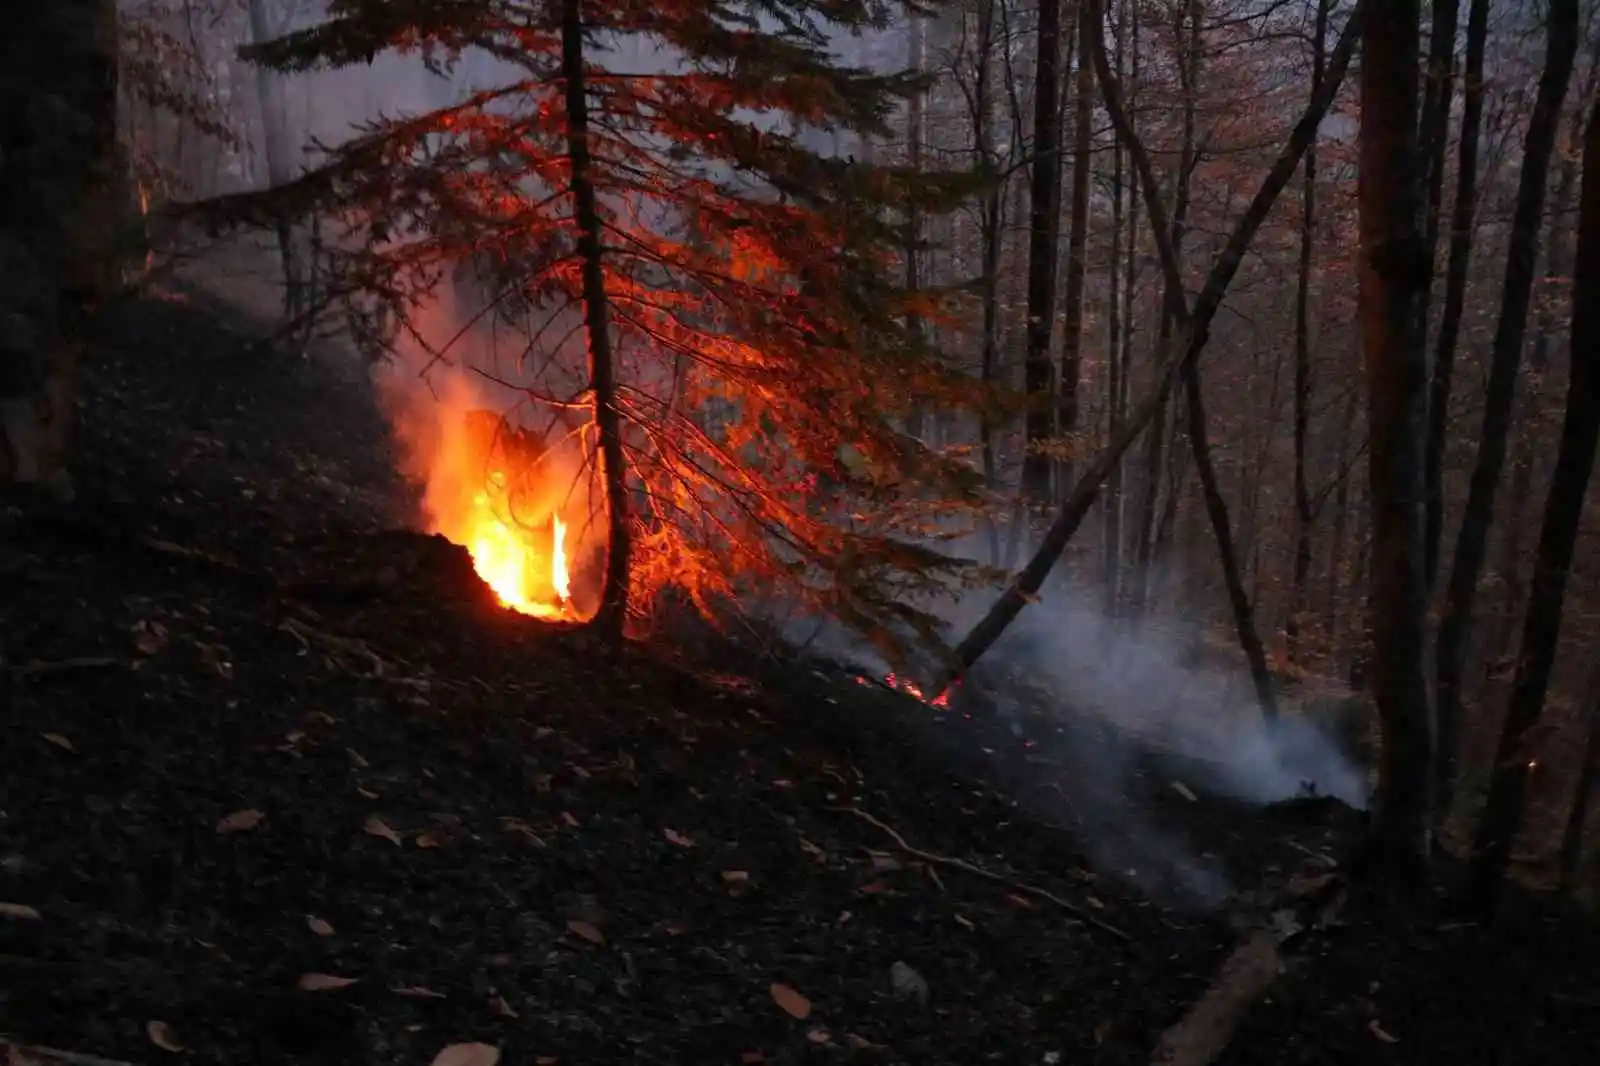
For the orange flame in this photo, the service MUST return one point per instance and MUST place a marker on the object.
(508, 563)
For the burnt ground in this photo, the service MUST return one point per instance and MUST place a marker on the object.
(250, 731)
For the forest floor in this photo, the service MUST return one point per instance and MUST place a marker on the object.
(253, 733)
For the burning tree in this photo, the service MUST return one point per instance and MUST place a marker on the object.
(642, 176)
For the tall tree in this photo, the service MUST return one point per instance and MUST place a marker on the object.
(1394, 270)
(1304, 514)
(1044, 229)
(1580, 436)
(612, 616)
(1433, 135)
(1077, 254)
(1472, 540)
(1462, 213)
(60, 181)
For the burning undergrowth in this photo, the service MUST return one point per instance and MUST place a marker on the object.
(508, 481)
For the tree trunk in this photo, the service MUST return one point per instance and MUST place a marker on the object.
(1112, 566)
(1196, 324)
(1303, 513)
(1044, 227)
(1521, 258)
(1580, 435)
(913, 251)
(1077, 247)
(992, 237)
(1217, 511)
(1333, 614)
(1571, 854)
(1393, 272)
(60, 212)
(612, 616)
(1455, 298)
(1433, 135)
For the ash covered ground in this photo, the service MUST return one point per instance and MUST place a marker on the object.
(253, 730)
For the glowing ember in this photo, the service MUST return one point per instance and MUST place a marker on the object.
(912, 689)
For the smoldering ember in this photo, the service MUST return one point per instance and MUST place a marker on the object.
(1021, 531)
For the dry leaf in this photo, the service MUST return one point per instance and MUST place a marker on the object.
(858, 1042)
(566, 816)
(819, 1036)
(546, 1060)
(468, 1055)
(163, 1037)
(736, 877)
(587, 930)
(323, 982)
(357, 760)
(426, 840)
(318, 926)
(790, 1002)
(499, 1005)
(675, 837)
(417, 992)
(752, 1058)
(1378, 1031)
(1185, 791)
(59, 741)
(377, 827)
(241, 821)
(149, 637)
(965, 922)
(20, 911)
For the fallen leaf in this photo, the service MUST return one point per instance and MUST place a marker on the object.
(790, 1002)
(318, 926)
(858, 1042)
(59, 741)
(735, 877)
(427, 840)
(675, 837)
(468, 1055)
(819, 1036)
(965, 922)
(357, 760)
(908, 983)
(752, 1058)
(417, 992)
(375, 826)
(498, 1005)
(546, 1060)
(323, 982)
(587, 930)
(1185, 791)
(1378, 1031)
(873, 888)
(149, 637)
(19, 911)
(566, 816)
(241, 821)
(163, 1037)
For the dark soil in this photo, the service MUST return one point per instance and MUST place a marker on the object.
(506, 834)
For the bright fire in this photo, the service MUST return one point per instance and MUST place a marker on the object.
(508, 563)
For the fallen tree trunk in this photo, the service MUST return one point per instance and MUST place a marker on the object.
(1195, 323)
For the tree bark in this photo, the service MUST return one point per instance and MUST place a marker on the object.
(1571, 853)
(1455, 298)
(1433, 136)
(1196, 323)
(913, 251)
(60, 214)
(1303, 512)
(1112, 565)
(1393, 272)
(1077, 247)
(992, 236)
(1580, 436)
(1044, 229)
(1521, 258)
(611, 619)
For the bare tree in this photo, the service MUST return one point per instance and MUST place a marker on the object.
(1394, 271)
(1044, 226)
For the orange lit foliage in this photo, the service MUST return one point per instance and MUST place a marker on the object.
(749, 277)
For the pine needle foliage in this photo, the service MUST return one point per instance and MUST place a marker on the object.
(761, 339)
